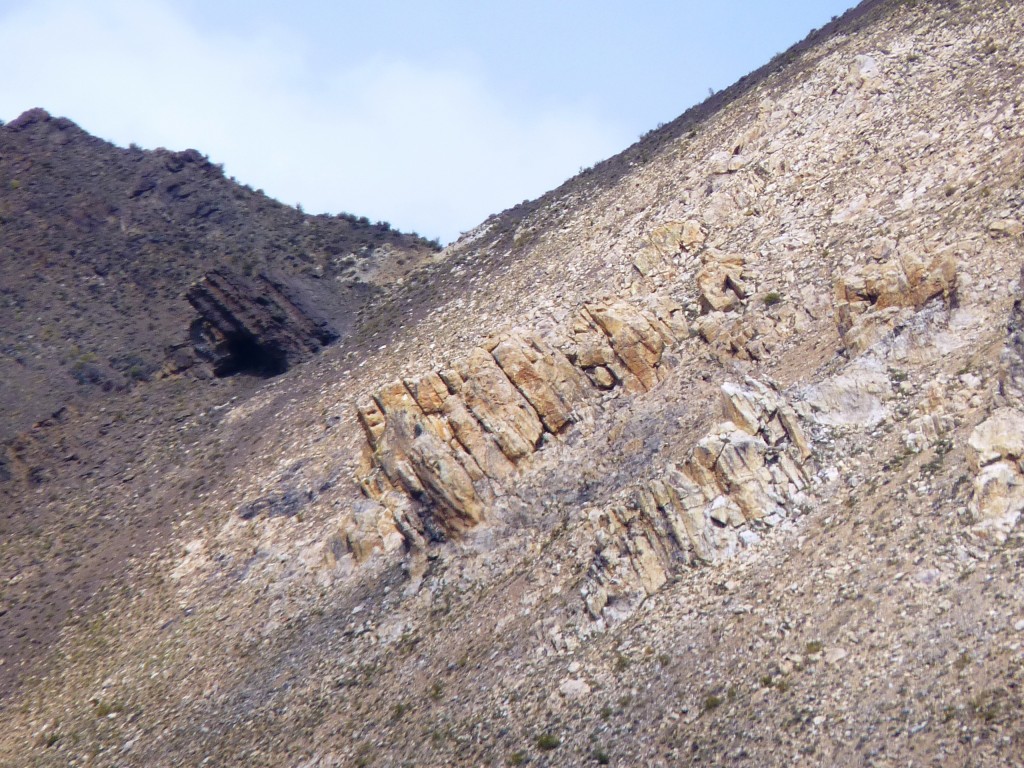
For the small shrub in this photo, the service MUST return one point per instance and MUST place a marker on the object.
(364, 755)
(987, 706)
(711, 702)
(621, 663)
(548, 742)
(516, 758)
(601, 757)
(813, 648)
(399, 711)
(772, 298)
(105, 708)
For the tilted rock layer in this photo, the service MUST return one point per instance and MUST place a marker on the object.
(748, 475)
(252, 325)
(451, 439)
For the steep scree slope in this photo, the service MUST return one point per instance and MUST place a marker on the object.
(717, 462)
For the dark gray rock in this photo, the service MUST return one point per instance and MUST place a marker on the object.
(254, 325)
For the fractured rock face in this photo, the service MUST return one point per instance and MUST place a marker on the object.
(997, 499)
(720, 282)
(499, 406)
(636, 340)
(871, 299)
(545, 377)
(1000, 436)
(252, 325)
(666, 243)
(754, 335)
(748, 473)
(995, 451)
(442, 445)
(854, 398)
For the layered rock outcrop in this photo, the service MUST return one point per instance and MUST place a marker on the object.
(442, 446)
(254, 325)
(746, 475)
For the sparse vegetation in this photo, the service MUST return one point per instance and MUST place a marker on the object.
(988, 706)
(107, 708)
(711, 702)
(548, 741)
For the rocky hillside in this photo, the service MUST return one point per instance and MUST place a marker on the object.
(99, 245)
(711, 456)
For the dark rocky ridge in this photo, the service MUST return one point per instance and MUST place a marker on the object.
(99, 244)
(253, 325)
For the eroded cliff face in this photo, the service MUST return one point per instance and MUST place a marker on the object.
(252, 325)
(714, 458)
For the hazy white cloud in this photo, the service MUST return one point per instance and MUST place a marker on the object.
(435, 150)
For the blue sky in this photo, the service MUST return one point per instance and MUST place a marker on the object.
(430, 115)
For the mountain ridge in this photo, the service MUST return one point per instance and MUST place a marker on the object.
(94, 233)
